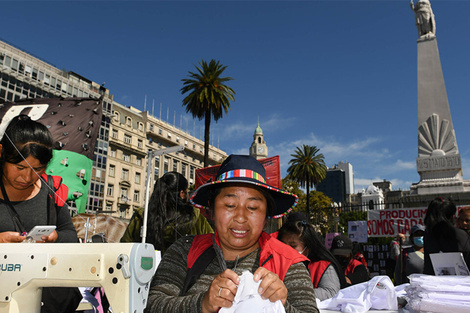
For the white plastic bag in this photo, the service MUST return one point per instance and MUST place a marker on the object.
(377, 294)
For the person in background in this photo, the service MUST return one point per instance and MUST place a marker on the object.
(293, 216)
(170, 215)
(411, 260)
(358, 255)
(441, 235)
(395, 247)
(25, 151)
(354, 270)
(463, 221)
(395, 251)
(326, 273)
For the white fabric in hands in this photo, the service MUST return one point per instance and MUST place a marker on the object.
(248, 300)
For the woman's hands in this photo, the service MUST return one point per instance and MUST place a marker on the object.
(221, 292)
(51, 238)
(223, 289)
(271, 286)
(14, 237)
(11, 237)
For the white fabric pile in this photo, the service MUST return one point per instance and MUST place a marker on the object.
(444, 294)
(377, 294)
(248, 300)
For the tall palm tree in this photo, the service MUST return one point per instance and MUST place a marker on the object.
(209, 96)
(308, 168)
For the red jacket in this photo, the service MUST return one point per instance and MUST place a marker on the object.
(275, 256)
(317, 269)
(61, 190)
(353, 263)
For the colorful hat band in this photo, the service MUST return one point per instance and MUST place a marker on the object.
(242, 173)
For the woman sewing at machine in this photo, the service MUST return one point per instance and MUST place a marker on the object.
(26, 198)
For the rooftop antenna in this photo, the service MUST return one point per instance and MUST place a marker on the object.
(160, 111)
(145, 103)
(153, 106)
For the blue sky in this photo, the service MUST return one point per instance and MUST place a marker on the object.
(340, 75)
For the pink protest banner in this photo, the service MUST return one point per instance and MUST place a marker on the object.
(329, 238)
(388, 223)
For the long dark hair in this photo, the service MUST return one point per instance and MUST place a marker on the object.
(439, 210)
(24, 137)
(166, 207)
(439, 218)
(309, 237)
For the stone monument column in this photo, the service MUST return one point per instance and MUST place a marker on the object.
(438, 162)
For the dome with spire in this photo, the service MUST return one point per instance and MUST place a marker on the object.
(258, 130)
(258, 148)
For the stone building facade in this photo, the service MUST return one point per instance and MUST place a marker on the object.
(119, 174)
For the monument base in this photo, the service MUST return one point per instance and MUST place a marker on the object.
(440, 186)
(440, 173)
(423, 200)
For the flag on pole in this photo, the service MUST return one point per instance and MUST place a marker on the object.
(74, 124)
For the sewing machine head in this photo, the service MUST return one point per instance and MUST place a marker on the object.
(124, 270)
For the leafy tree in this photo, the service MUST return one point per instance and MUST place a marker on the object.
(321, 214)
(308, 168)
(208, 96)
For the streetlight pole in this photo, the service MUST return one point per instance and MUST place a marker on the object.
(151, 155)
(336, 216)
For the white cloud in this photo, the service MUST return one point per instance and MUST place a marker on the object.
(242, 151)
(360, 183)
(370, 157)
(401, 184)
(367, 156)
(399, 164)
(333, 150)
(243, 129)
(237, 130)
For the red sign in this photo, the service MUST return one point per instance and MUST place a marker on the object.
(271, 165)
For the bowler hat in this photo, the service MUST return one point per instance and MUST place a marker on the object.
(245, 169)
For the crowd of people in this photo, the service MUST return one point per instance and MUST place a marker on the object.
(202, 263)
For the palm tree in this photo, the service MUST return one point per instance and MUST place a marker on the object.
(209, 96)
(307, 168)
